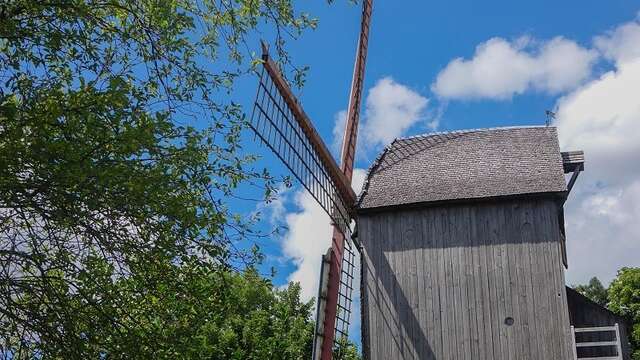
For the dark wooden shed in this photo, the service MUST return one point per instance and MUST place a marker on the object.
(584, 313)
(463, 246)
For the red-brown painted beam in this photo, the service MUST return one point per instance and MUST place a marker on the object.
(342, 182)
(348, 155)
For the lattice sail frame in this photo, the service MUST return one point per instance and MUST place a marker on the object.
(280, 123)
(345, 295)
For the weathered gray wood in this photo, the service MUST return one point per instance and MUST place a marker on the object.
(410, 285)
(510, 297)
(370, 293)
(385, 291)
(457, 310)
(390, 283)
(523, 276)
(422, 279)
(484, 349)
(531, 270)
(561, 301)
(382, 327)
(461, 229)
(485, 261)
(449, 303)
(494, 294)
(497, 276)
(543, 311)
(469, 287)
(515, 281)
(373, 287)
(571, 160)
(433, 247)
(551, 277)
(368, 296)
(440, 282)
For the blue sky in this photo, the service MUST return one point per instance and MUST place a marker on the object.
(514, 61)
(412, 41)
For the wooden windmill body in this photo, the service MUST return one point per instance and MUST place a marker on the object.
(464, 251)
(463, 248)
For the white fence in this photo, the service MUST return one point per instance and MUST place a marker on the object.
(615, 342)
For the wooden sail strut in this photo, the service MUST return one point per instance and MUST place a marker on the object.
(343, 184)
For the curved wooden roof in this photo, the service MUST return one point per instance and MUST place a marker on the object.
(470, 164)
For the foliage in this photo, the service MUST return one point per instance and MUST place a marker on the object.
(624, 300)
(346, 350)
(226, 315)
(594, 290)
(119, 144)
(192, 313)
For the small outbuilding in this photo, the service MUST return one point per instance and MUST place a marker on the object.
(586, 314)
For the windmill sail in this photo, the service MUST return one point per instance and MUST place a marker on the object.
(337, 311)
(355, 95)
(281, 123)
(345, 296)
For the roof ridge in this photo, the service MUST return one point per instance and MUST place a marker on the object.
(463, 131)
(370, 170)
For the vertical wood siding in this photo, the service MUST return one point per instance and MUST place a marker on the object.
(440, 282)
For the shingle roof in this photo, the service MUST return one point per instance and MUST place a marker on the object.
(468, 164)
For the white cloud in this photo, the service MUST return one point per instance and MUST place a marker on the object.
(602, 231)
(391, 109)
(358, 179)
(306, 241)
(500, 69)
(621, 44)
(603, 119)
(340, 121)
(309, 237)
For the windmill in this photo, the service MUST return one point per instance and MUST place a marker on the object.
(280, 122)
(461, 237)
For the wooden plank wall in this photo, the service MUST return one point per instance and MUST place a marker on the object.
(440, 282)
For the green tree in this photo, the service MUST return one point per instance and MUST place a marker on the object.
(201, 314)
(594, 290)
(346, 350)
(119, 145)
(624, 300)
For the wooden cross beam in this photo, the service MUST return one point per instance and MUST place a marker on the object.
(572, 162)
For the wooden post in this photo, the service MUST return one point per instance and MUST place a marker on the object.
(322, 303)
(573, 343)
(333, 289)
(618, 346)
